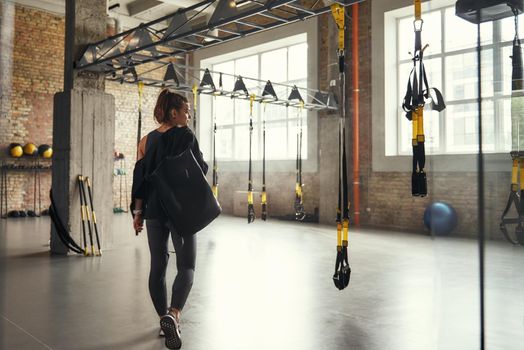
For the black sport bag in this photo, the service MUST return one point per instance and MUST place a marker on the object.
(184, 193)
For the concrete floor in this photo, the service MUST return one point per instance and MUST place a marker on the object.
(262, 286)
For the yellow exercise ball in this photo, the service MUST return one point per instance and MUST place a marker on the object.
(30, 149)
(15, 150)
(45, 151)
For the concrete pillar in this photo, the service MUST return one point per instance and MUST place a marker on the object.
(83, 128)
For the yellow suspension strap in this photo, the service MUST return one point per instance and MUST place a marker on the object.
(342, 269)
(83, 214)
(215, 167)
(250, 207)
(515, 198)
(88, 214)
(140, 95)
(416, 94)
(195, 95)
(300, 212)
(93, 215)
(263, 215)
(517, 96)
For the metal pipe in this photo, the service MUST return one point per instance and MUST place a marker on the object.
(356, 91)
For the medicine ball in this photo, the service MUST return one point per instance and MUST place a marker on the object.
(13, 214)
(15, 150)
(45, 151)
(440, 218)
(30, 149)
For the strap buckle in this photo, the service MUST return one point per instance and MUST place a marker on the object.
(416, 22)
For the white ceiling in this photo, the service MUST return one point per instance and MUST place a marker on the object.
(130, 13)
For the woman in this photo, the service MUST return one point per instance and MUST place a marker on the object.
(171, 138)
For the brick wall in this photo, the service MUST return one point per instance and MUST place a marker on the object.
(37, 74)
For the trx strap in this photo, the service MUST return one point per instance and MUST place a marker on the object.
(250, 207)
(517, 156)
(195, 94)
(300, 212)
(342, 273)
(88, 214)
(263, 215)
(416, 94)
(268, 94)
(515, 198)
(93, 215)
(82, 213)
(215, 167)
(140, 93)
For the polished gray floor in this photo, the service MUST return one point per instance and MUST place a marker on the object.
(262, 286)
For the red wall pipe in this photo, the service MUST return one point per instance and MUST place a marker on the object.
(356, 151)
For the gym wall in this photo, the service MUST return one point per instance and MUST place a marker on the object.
(37, 74)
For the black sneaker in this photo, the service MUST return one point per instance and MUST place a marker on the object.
(169, 325)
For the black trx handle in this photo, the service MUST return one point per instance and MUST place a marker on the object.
(250, 207)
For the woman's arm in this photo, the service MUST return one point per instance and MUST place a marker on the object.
(138, 221)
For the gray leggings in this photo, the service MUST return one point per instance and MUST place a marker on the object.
(158, 233)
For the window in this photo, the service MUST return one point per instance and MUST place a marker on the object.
(286, 64)
(451, 64)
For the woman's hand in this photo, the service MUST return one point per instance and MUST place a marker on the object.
(138, 222)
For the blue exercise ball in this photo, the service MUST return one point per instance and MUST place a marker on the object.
(440, 218)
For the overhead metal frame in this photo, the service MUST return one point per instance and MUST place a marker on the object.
(314, 99)
(119, 55)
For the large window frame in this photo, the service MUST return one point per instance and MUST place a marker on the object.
(385, 14)
(239, 123)
(257, 43)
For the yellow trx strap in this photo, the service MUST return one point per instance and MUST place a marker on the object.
(418, 10)
(215, 166)
(521, 161)
(250, 207)
(195, 94)
(140, 93)
(338, 14)
(263, 215)
(514, 175)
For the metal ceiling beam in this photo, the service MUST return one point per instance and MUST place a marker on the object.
(186, 28)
